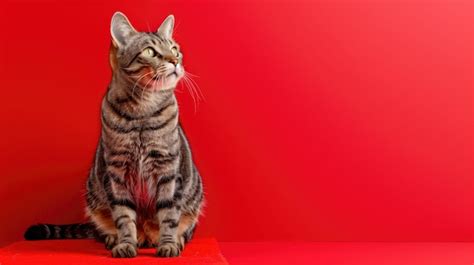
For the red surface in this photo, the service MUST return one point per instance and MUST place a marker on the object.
(323, 120)
(76, 252)
(349, 253)
(206, 251)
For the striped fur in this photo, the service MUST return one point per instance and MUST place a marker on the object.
(49, 231)
(143, 188)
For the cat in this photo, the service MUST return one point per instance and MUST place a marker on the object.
(143, 189)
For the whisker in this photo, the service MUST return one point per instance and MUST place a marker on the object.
(133, 89)
(196, 86)
(191, 92)
(144, 88)
(191, 74)
(159, 70)
(193, 88)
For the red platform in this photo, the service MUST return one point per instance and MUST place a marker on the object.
(207, 251)
(75, 252)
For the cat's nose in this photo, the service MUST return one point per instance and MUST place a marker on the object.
(172, 60)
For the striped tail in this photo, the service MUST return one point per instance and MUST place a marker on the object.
(70, 231)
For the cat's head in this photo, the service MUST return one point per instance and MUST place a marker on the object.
(149, 60)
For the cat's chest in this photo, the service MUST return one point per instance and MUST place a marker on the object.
(144, 194)
(143, 150)
(141, 179)
(150, 156)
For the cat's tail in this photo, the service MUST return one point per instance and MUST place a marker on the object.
(69, 231)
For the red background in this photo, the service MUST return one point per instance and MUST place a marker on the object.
(322, 120)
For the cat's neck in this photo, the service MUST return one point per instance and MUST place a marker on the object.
(136, 100)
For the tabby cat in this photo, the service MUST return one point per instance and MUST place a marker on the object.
(143, 189)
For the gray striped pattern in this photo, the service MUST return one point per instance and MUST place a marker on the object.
(143, 188)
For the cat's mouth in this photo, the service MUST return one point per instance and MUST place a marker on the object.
(164, 77)
(152, 80)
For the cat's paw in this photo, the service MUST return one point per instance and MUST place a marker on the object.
(124, 250)
(110, 241)
(168, 250)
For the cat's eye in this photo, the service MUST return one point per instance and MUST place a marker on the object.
(175, 51)
(149, 52)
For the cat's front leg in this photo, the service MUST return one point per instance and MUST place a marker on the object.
(125, 221)
(124, 217)
(168, 214)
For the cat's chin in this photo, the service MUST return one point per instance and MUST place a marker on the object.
(159, 83)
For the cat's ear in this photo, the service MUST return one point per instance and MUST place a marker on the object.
(166, 28)
(121, 29)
